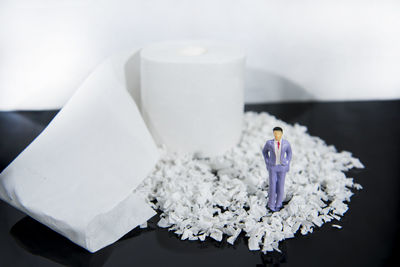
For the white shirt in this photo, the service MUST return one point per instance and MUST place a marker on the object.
(278, 151)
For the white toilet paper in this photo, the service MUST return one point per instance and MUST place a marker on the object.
(78, 175)
(192, 95)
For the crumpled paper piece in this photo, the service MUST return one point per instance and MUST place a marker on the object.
(227, 194)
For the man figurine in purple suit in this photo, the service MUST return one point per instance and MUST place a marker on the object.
(277, 155)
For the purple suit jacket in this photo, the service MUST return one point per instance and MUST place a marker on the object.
(270, 157)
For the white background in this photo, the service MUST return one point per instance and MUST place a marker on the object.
(296, 49)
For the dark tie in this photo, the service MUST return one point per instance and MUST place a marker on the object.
(278, 144)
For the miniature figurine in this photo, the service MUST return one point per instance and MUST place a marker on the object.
(277, 155)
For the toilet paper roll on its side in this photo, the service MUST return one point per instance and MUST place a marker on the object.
(192, 95)
(77, 177)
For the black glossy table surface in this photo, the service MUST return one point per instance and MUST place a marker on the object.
(371, 230)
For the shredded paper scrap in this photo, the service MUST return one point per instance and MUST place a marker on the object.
(228, 194)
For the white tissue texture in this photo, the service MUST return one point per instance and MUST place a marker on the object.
(77, 176)
(228, 194)
(182, 95)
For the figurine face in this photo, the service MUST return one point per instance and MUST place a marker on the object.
(278, 135)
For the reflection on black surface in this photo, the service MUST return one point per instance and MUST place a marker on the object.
(274, 258)
(338, 123)
(171, 241)
(40, 240)
(151, 226)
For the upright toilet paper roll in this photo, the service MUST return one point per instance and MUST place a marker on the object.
(192, 95)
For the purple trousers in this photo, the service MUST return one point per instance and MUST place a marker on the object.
(276, 186)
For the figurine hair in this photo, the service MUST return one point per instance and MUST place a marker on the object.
(277, 129)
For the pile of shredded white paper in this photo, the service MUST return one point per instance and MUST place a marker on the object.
(228, 194)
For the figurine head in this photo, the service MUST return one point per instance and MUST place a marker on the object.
(278, 132)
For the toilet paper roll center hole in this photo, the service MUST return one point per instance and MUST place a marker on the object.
(193, 50)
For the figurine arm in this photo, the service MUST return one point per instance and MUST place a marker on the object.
(288, 154)
(265, 153)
